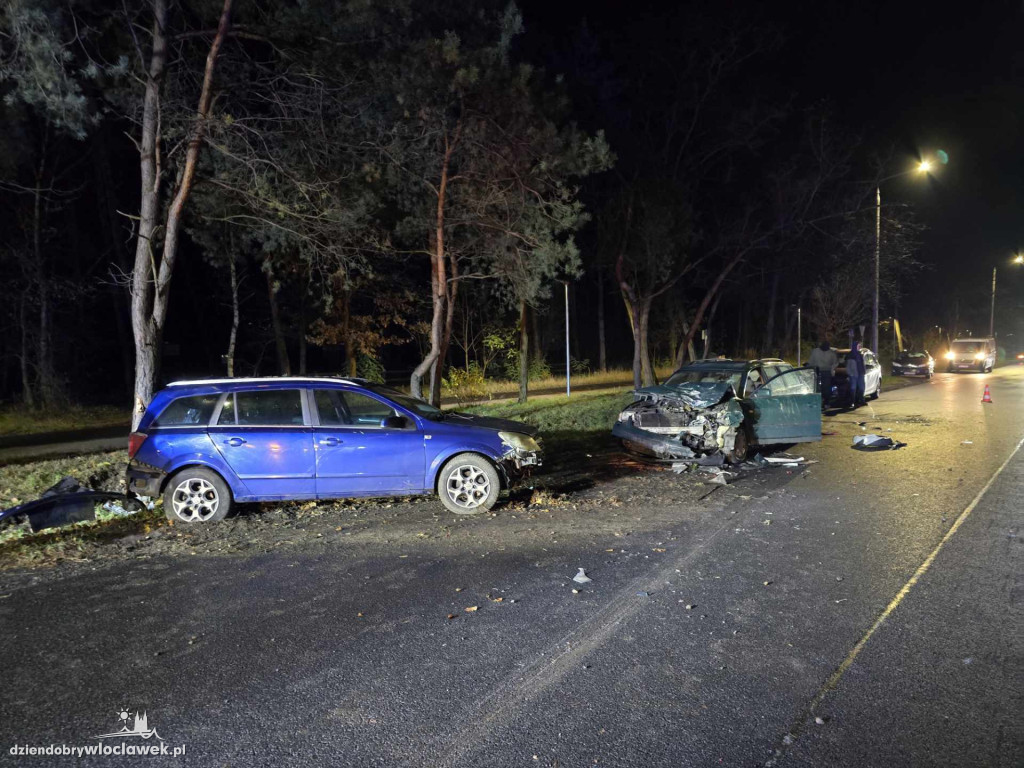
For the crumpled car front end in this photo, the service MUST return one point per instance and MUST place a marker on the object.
(682, 422)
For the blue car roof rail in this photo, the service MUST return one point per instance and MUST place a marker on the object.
(265, 380)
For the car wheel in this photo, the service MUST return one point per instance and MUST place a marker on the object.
(468, 484)
(197, 495)
(740, 447)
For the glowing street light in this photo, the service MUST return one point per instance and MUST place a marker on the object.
(925, 166)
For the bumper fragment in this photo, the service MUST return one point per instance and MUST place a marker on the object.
(143, 480)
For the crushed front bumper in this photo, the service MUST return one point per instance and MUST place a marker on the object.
(517, 464)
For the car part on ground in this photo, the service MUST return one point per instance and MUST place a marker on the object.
(65, 503)
(876, 443)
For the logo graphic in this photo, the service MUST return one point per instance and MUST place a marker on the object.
(140, 727)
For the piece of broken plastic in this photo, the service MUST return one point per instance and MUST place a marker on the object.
(581, 577)
(875, 443)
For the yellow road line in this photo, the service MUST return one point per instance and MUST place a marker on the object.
(836, 676)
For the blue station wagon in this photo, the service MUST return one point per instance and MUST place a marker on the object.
(205, 445)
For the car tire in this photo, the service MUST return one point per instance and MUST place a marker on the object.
(468, 484)
(740, 447)
(196, 495)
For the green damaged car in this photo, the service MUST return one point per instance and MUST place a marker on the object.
(722, 406)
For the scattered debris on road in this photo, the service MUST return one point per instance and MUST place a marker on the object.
(876, 443)
(581, 577)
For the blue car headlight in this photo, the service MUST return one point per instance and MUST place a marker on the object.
(519, 441)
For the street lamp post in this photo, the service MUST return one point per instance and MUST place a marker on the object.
(923, 167)
(1018, 259)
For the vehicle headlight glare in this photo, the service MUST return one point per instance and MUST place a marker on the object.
(519, 441)
(950, 356)
(979, 356)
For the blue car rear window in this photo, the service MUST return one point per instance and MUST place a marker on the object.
(187, 411)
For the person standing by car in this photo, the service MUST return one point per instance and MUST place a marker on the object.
(824, 360)
(855, 370)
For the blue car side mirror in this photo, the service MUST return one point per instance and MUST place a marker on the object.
(394, 422)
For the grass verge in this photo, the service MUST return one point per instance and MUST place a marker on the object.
(18, 420)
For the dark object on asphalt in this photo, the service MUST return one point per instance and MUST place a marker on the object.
(66, 502)
(876, 443)
(206, 445)
(909, 363)
(841, 394)
(722, 406)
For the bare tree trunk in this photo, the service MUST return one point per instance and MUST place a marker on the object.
(303, 347)
(524, 354)
(538, 347)
(27, 393)
(449, 323)
(151, 280)
(769, 332)
(711, 292)
(284, 365)
(438, 276)
(229, 358)
(602, 349)
(49, 394)
(351, 360)
(643, 326)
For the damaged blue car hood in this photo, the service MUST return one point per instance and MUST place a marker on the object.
(702, 394)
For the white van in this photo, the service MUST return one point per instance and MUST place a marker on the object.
(971, 355)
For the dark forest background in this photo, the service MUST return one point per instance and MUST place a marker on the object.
(402, 190)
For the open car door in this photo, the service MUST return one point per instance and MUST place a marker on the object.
(787, 408)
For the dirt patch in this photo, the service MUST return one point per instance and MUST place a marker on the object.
(598, 496)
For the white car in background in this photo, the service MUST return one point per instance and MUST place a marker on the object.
(872, 377)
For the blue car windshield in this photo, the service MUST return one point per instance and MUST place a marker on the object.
(419, 407)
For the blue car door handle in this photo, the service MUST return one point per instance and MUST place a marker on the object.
(330, 441)
(235, 441)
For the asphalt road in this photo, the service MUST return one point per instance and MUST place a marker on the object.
(866, 611)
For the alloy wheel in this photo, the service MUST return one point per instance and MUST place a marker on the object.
(467, 486)
(195, 500)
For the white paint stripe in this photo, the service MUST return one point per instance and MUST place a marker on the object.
(922, 569)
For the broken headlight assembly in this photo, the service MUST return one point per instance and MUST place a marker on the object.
(520, 442)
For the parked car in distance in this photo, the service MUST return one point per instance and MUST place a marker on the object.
(913, 364)
(872, 377)
(726, 406)
(971, 355)
(207, 445)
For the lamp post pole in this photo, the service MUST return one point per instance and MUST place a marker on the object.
(878, 261)
(992, 312)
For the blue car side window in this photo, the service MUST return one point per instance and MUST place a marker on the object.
(330, 408)
(268, 408)
(365, 411)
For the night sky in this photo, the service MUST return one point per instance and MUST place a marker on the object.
(908, 78)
